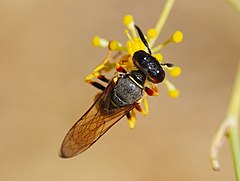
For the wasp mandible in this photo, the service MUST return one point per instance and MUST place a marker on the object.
(119, 98)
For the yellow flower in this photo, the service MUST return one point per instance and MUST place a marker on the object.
(134, 44)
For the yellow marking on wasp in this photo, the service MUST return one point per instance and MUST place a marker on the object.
(115, 79)
(139, 85)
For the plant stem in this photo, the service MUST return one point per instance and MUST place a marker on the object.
(234, 142)
(234, 114)
(235, 4)
(229, 129)
(162, 19)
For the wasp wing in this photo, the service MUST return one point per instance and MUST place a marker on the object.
(93, 124)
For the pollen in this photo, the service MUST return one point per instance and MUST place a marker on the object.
(152, 33)
(177, 37)
(99, 42)
(175, 71)
(127, 20)
(172, 90)
(129, 23)
(173, 93)
(135, 45)
(115, 45)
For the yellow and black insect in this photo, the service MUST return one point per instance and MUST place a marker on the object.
(120, 98)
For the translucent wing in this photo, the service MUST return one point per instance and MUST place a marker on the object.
(93, 124)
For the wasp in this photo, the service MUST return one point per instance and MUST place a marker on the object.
(119, 98)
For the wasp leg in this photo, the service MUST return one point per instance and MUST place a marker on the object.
(151, 91)
(98, 85)
(131, 118)
(103, 78)
(120, 69)
(145, 105)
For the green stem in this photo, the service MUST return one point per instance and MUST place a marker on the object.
(234, 141)
(229, 129)
(234, 115)
(235, 4)
(162, 19)
(234, 109)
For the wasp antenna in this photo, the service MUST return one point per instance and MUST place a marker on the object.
(143, 38)
(167, 64)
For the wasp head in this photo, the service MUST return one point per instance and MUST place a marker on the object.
(149, 65)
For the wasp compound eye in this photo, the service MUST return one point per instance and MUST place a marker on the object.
(156, 75)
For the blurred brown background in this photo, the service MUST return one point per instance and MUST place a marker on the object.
(45, 53)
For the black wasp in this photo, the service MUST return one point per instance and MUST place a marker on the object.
(122, 94)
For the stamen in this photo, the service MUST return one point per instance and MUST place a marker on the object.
(159, 47)
(100, 42)
(115, 45)
(175, 38)
(172, 90)
(135, 45)
(152, 33)
(128, 21)
(126, 63)
(128, 35)
(174, 71)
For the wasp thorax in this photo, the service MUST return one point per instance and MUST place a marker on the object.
(138, 76)
(149, 65)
